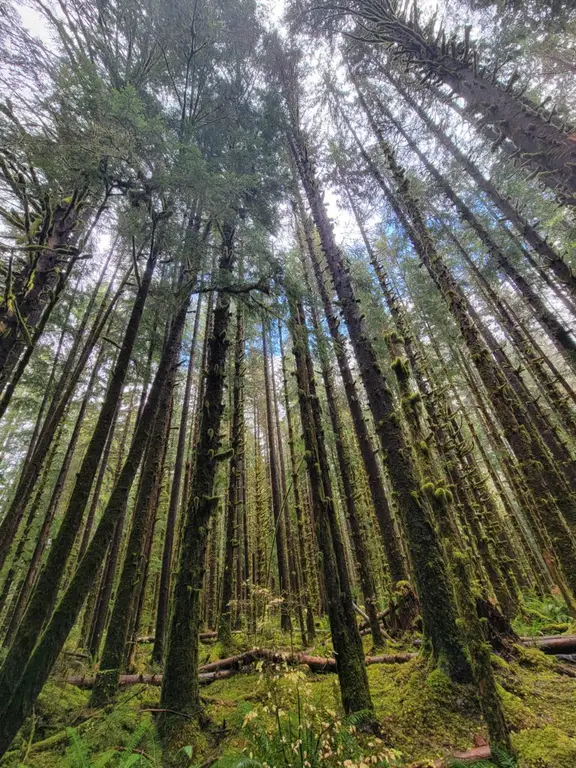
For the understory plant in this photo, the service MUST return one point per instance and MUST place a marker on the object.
(124, 757)
(289, 730)
(542, 616)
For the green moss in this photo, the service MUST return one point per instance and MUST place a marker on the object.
(184, 744)
(444, 495)
(555, 628)
(58, 706)
(424, 714)
(534, 657)
(400, 367)
(517, 714)
(546, 747)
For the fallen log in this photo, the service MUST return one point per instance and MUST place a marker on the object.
(552, 644)
(315, 663)
(87, 681)
(222, 668)
(217, 670)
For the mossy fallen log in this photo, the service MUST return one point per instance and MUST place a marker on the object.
(87, 681)
(203, 637)
(216, 670)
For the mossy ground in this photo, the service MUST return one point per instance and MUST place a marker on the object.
(423, 715)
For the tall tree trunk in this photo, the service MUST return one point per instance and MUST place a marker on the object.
(363, 563)
(499, 380)
(380, 502)
(25, 686)
(293, 571)
(236, 479)
(34, 462)
(132, 575)
(179, 468)
(344, 630)
(301, 538)
(180, 692)
(49, 581)
(42, 539)
(277, 500)
(102, 588)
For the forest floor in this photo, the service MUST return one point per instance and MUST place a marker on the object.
(264, 710)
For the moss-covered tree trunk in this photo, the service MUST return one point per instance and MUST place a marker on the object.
(61, 399)
(303, 559)
(132, 576)
(550, 487)
(27, 584)
(234, 507)
(291, 552)
(173, 505)
(52, 574)
(25, 687)
(180, 692)
(103, 585)
(545, 374)
(278, 502)
(344, 630)
(380, 502)
(362, 564)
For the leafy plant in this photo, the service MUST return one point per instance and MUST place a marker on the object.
(289, 731)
